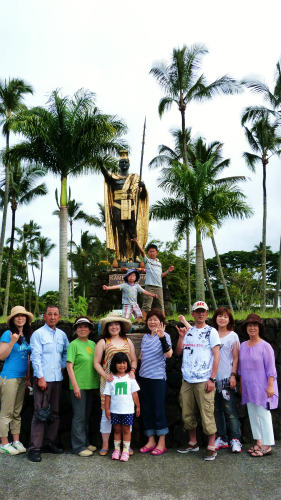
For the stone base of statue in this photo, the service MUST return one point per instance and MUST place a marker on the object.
(102, 301)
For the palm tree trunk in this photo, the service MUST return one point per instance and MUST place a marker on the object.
(188, 287)
(221, 273)
(5, 206)
(71, 265)
(182, 111)
(9, 271)
(63, 285)
(199, 268)
(276, 295)
(36, 310)
(263, 252)
(211, 291)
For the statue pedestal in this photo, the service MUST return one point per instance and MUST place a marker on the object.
(102, 302)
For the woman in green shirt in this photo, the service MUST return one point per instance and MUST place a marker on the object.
(83, 380)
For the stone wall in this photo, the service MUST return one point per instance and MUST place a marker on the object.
(177, 436)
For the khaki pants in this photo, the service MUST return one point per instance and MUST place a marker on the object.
(12, 395)
(156, 302)
(193, 400)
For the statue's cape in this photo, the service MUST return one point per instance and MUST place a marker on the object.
(131, 185)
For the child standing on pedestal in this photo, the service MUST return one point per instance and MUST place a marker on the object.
(153, 281)
(130, 291)
(120, 397)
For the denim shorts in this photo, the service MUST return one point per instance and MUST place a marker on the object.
(122, 418)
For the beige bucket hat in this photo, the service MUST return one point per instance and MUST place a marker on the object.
(19, 310)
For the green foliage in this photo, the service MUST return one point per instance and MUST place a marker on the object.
(78, 307)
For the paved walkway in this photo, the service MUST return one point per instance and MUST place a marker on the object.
(169, 477)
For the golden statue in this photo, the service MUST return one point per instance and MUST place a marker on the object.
(125, 198)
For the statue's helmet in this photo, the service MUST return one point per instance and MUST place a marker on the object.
(124, 160)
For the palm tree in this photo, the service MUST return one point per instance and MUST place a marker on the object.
(265, 142)
(196, 201)
(21, 192)
(272, 98)
(167, 156)
(28, 237)
(74, 213)
(70, 137)
(44, 247)
(182, 83)
(199, 151)
(12, 92)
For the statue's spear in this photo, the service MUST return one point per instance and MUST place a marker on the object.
(141, 164)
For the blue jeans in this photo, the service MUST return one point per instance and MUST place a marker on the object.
(153, 406)
(226, 416)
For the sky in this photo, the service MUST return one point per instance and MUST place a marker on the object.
(109, 47)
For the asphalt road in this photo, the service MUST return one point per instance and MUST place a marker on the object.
(168, 477)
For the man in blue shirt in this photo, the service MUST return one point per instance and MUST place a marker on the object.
(48, 355)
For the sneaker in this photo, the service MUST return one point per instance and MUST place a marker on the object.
(210, 455)
(219, 443)
(91, 447)
(116, 455)
(190, 448)
(8, 449)
(85, 453)
(236, 446)
(19, 446)
(124, 457)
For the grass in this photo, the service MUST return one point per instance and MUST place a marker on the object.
(269, 313)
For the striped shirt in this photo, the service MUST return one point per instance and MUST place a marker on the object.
(153, 361)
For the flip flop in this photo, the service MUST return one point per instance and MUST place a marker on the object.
(156, 452)
(253, 448)
(103, 452)
(261, 453)
(147, 449)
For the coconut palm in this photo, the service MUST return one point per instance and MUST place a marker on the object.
(23, 190)
(166, 157)
(12, 92)
(74, 213)
(44, 247)
(194, 200)
(182, 83)
(69, 137)
(27, 238)
(265, 141)
(272, 98)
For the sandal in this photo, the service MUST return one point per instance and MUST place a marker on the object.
(147, 449)
(253, 448)
(262, 452)
(103, 452)
(156, 452)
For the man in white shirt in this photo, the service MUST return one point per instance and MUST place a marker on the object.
(200, 346)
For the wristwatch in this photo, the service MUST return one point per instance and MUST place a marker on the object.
(212, 379)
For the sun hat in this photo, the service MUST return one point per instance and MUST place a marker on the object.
(252, 318)
(200, 305)
(131, 271)
(114, 318)
(83, 320)
(19, 310)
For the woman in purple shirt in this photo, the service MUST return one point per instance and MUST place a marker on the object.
(259, 385)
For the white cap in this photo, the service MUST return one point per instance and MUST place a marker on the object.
(200, 305)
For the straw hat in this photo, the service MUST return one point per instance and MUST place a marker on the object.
(19, 310)
(114, 318)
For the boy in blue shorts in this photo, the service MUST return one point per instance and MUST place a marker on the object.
(130, 290)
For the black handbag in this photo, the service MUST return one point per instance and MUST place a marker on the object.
(44, 414)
